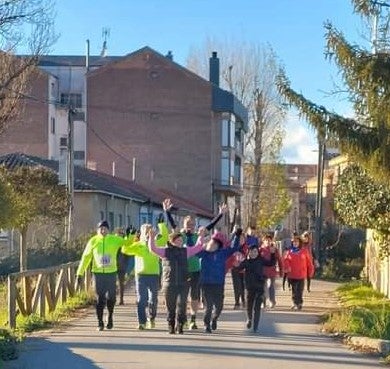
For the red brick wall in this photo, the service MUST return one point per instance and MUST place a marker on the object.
(152, 109)
(29, 133)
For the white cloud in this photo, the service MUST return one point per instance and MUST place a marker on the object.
(300, 143)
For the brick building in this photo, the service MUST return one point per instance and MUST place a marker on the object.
(141, 117)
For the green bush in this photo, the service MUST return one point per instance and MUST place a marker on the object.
(8, 345)
(343, 270)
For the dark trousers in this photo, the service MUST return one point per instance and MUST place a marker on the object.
(213, 295)
(297, 286)
(254, 297)
(176, 302)
(105, 288)
(238, 286)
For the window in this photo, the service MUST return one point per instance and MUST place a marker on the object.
(73, 100)
(225, 133)
(111, 220)
(225, 172)
(79, 155)
(53, 125)
(237, 171)
(101, 215)
(120, 220)
(232, 133)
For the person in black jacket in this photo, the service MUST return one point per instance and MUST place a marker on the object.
(254, 283)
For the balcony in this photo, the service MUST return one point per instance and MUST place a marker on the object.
(230, 188)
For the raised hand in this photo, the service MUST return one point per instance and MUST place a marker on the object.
(202, 231)
(152, 233)
(223, 208)
(167, 204)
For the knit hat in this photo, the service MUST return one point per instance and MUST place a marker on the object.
(220, 238)
(103, 223)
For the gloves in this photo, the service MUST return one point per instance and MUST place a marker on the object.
(238, 232)
(130, 230)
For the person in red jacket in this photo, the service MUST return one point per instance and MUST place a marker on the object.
(271, 272)
(298, 264)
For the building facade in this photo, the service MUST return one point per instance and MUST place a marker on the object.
(141, 117)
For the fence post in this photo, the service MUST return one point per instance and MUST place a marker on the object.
(11, 302)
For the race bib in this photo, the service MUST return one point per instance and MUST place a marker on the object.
(105, 260)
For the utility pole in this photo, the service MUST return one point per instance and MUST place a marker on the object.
(70, 171)
(318, 209)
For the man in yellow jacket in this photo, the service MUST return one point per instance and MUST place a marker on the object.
(101, 251)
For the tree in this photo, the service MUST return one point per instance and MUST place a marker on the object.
(35, 194)
(366, 75)
(248, 71)
(362, 203)
(27, 25)
(364, 139)
(273, 195)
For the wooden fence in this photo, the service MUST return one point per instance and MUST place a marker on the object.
(39, 291)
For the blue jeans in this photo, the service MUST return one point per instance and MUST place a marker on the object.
(270, 289)
(147, 289)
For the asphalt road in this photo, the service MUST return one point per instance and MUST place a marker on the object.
(287, 339)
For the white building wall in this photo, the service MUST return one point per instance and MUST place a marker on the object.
(69, 80)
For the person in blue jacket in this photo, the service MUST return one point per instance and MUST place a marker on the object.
(212, 275)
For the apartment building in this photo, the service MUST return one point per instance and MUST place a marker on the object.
(141, 117)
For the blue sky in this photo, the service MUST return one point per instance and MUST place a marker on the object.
(294, 29)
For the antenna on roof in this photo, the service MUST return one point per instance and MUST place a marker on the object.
(105, 35)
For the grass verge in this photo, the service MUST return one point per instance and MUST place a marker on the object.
(364, 312)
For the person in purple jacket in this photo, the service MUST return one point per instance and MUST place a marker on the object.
(212, 275)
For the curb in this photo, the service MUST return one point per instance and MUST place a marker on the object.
(372, 344)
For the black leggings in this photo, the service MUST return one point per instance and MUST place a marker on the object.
(213, 295)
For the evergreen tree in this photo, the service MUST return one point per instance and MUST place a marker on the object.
(361, 197)
(365, 138)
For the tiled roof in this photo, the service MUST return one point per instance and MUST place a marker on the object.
(87, 180)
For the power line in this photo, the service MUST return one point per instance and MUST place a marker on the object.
(127, 160)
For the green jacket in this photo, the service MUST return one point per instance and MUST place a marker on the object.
(147, 263)
(102, 252)
(193, 261)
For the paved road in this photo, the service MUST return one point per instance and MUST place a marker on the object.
(286, 339)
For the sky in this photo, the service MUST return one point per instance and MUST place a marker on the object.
(293, 28)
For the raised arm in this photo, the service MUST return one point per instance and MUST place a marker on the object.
(222, 210)
(159, 251)
(167, 206)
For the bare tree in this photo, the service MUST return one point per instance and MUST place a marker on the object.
(25, 26)
(249, 71)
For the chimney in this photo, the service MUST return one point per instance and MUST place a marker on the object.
(169, 55)
(214, 69)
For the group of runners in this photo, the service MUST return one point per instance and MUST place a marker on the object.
(189, 264)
